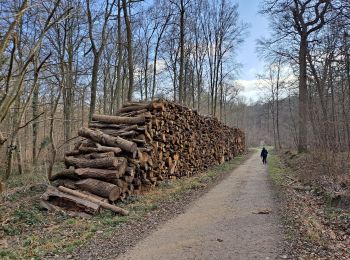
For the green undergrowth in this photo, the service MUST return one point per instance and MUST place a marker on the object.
(29, 232)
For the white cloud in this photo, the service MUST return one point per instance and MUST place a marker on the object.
(250, 88)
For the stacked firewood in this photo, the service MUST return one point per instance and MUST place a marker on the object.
(134, 150)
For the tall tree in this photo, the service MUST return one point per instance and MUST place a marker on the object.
(130, 50)
(97, 49)
(299, 19)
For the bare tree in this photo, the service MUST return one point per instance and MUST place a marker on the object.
(97, 50)
(301, 18)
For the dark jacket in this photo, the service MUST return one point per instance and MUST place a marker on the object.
(264, 153)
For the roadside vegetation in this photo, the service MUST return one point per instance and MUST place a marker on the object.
(316, 218)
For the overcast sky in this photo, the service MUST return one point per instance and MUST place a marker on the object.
(258, 27)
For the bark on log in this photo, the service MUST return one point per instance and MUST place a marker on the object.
(100, 148)
(119, 119)
(100, 174)
(72, 153)
(133, 108)
(102, 126)
(100, 188)
(100, 163)
(65, 174)
(103, 204)
(63, 200)
(97, 155)
(64, 182)
(104, 139)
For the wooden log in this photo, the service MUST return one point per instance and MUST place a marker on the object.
(128, 179)
(91, 194)
(133, 108)
(139, 141)
(128, 104)
(119, 133)
(84, 173)
(97, 155)
(136, 182)
(100, 163)
(69, 202)
(104, 139)
(65, 182)
(119, 119)
(65, 174)
(110, 126)
(158, 105)
(130, 171)
(100, 188)
(134, 113)
(100, 174)
(103, 204)
(72, 153)
(101, 149)
(127, 128)
(122, 184)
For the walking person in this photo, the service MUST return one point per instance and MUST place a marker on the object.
(263, 155)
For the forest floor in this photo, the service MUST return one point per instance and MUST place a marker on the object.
(316, 218)
(29, 232)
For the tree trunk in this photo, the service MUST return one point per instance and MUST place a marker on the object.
(182, 51)
(130, 51)
(95, 68)
(303, 94)
(35, 124)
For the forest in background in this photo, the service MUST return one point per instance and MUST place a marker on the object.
(62, 61)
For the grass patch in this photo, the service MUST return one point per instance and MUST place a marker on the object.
(35, 175)
(32, 233)
(277, 172)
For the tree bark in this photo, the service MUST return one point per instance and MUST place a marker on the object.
(303, 94)
(61, 199)
(104, 139)
(103, 204)
(100, 188)
(182, 51)
(100, 163)
(130, 50)
(119, 119)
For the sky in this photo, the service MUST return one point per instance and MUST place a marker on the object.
(247, 56)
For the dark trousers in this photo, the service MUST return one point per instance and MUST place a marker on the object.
(264, 160)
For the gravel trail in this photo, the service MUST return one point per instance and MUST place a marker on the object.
(223, 224)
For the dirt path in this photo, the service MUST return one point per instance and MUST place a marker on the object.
(221, 224)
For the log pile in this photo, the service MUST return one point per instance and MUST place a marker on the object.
(136, 149)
